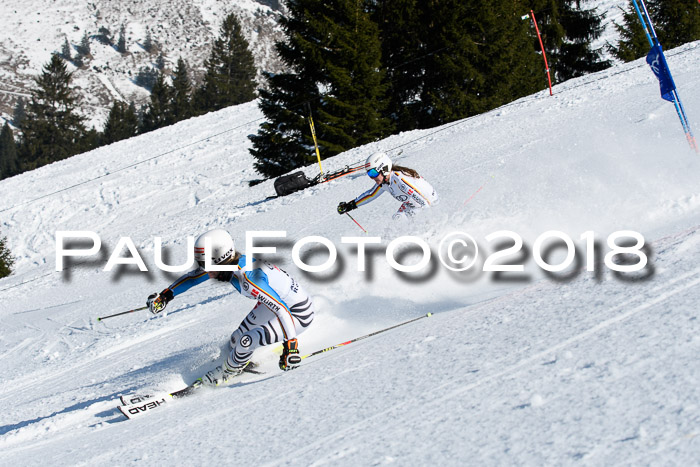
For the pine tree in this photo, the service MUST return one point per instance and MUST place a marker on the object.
(104, 35)
(121, 123)
(159, 112)
(633, 42)
(230, 75)
(575, 57)
(52, 130)
(403, 55)
(121, 42)
(460, 75)
(281, 143)
(567, 31)
(19, 113)
(333, 52)
(450, 59)
(84, 47)
(677, 21)
(351, 111)
(6, 258)
(160, 62)
(146, 77)
(66, 50)
(182, 88)
(8, 152)
(148, 44)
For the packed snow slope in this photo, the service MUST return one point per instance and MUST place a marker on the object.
(517, 368)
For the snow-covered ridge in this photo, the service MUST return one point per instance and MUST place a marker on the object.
(182, 28)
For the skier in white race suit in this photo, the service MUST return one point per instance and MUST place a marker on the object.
(404, 184)
(283, 308)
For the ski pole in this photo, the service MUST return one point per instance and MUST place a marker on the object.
(122, 313)
(358, 224)
(365, 336)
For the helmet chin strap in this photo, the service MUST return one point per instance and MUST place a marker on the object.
(386, 174)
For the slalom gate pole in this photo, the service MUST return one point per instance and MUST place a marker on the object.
(122, 313)
(657, 61)
(318, 352)
(644, 22)
(544, 55)
(313, 134)
(358, 224)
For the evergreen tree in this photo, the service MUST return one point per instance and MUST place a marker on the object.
(575, 57)
(282, 143)
(146, 77)
(633, 42)
(66, 50)
(84, 47)
(404, 51)
(333, 52)
(91, 139)
(351, 111)
(230, 75)
(8, 152)
(148, 44)
(52, 130)
(160, 62)
(121, 42)
(182, 88)
(567, 31)
(472, 69)
(104, 35)
(6, 259)
(121, 123)
(450, 59)
(676, 22)
(159, 112)
(19, 113)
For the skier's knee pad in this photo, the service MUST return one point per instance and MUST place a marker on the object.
(235, 337)
(246, 343)
(242, 350)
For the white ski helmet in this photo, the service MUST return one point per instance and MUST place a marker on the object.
(378, 163)
(221, 245)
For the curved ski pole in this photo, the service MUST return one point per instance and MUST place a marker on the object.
(318, 352)
(122, 313)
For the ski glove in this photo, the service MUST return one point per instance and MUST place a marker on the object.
(290, 358)
(156, 302)
(345, 207)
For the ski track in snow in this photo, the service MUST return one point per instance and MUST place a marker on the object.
(596, 369)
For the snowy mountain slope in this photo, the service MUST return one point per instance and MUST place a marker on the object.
(181, 28)
(595, 369)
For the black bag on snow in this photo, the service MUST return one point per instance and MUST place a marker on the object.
(287, 184)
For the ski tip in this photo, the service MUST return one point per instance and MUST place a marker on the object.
(429, 315)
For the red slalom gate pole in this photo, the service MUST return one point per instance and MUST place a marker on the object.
(544, 55)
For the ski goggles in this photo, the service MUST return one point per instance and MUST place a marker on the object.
(373, 173)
